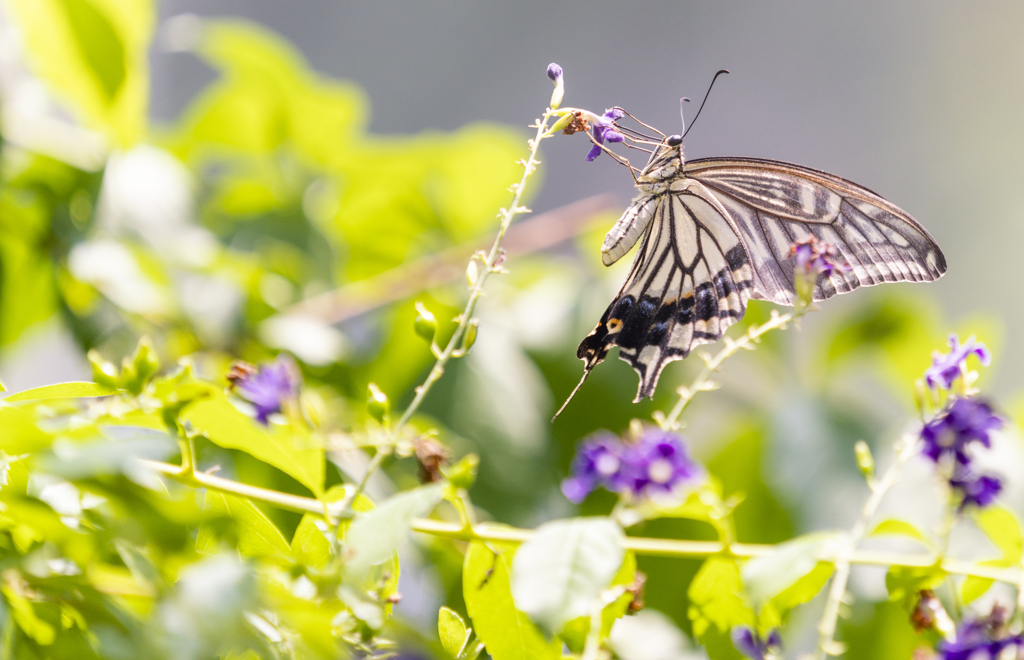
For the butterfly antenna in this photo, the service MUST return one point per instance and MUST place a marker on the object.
(575, 390)
(708, 93)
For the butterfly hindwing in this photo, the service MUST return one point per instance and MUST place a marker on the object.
(690, 280)
(776, 204)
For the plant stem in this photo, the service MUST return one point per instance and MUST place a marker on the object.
(644, 546)
(491, 264)
(711, 365)
(905, 448)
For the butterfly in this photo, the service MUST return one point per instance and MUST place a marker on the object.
(715, 232)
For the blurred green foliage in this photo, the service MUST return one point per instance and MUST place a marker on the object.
(207, 235)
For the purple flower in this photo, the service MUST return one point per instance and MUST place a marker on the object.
(597, 464)
(269, 387)
(946, 368)
(750, 644)
(966, 421)
(656, 464)
(604, 131)
(816, 257)
(979, 640)
(554, 72)
(975, 490)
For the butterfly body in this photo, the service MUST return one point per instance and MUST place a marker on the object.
(714, 233)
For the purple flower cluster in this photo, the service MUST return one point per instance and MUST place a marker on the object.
(964, 422)
(657, 463)
(269, 387)
(946, 368)
(948, 437)
(980, 640)
(750, 644)
(604, 130)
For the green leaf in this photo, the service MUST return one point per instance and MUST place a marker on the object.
(717, 605)
(507, 633)
(575, 632)
(451, 629)
(19, 433)
(559, 573)
(75, 390)
(25, 616)
(371, 539)
(99, 44)
(974, 587)
(287, 448)
(309, 545)
(768, 576)
(894, 527)
(1003, 529)
(257, 536)
(905, 583)
(94, 54)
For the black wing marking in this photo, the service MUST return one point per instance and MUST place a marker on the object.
(691, 280)
(774, 204)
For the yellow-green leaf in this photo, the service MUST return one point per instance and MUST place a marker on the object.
(257, 536)
(507, 633)
(73, 390)
(94, 54)
(451, 630)
(309, 545)
(291, 450)
(1003, 529)
(894, 527)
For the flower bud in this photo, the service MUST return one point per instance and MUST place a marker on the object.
(865, 461)
(469, 338)
(463, 473)
(137, 370)
(561, 123)
(425, 323)
(377, 403)
(104, 373)
(472, 272)
(556, 76)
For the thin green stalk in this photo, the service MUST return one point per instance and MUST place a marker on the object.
(491, 263)
(644, 546)
(711, 365)
(827, 645)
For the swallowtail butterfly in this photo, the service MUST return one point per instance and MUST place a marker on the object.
(716, 232)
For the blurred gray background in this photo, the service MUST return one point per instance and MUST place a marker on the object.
(919, 101)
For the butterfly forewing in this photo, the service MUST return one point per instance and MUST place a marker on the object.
(719, 231)
(775, 204)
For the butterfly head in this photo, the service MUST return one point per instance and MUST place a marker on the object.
(666, 162)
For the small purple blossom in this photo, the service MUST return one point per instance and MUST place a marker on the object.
(975, 490)
(966, 421)
(554, 72)
(597, 464)
(269, 388)
(655, 464)
(605, 131)
(816, 257)
(946, 368)
(979, 640)
(750, 644)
